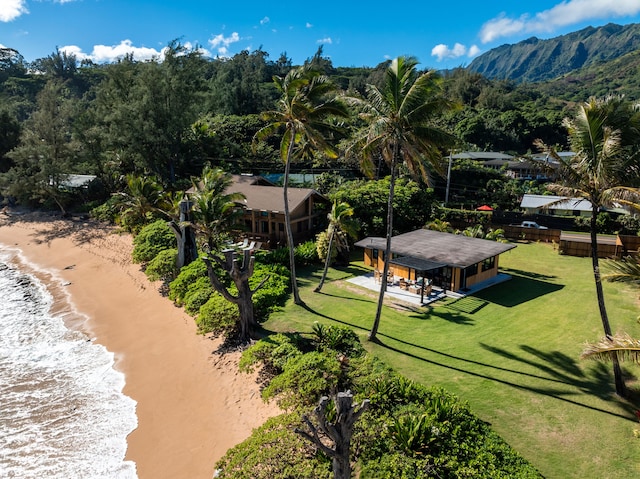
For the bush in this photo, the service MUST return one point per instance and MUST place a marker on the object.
(274, 450)
(197, 295)
(163, 266)
(341, 339)
(306, 254)
(108, 211)
(305, 378)
(152, 239)
(188, 275)
(322, 247)
(217, 316)
(274, 293)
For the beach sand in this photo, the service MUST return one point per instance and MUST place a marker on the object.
(192, 405)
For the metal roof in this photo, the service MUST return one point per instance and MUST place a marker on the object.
(481, 155)
(445, 248)
(555, 202)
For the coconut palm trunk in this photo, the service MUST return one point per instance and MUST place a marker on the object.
(617, 370)
(327, 260)
(387, 250)
(287, 222)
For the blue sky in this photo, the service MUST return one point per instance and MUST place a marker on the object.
(442, 34)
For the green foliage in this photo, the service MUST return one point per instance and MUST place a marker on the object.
(272, 352)
(306, 253)
(273, 293)
(107, 211)
(322, 247)
(462, 218)
(273, 451)
(341, 339)
(189, 274)
(151, 240)
(305, 378)
(197, 294)
(217, 315)
(412, 204)
(163, 266)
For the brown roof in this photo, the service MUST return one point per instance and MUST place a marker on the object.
(433, 246)
(260, 196)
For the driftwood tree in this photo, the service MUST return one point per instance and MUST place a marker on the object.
(185, 236)
(240, 271)
(339, 432)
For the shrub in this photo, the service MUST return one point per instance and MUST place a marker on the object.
(322, 246)
(337, 338)
(306, 254)
(108, 211)
(188, 275)
(197, 295)
(274, 450)
(275, 291)
(305, 378)
(273, 352)
(152, 239)
(163, 266)
(217, 316)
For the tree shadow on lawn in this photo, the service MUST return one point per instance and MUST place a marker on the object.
(518, 290)
(562, 370)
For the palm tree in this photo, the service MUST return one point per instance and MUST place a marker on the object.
(215, 213)
(144, 198)
(619, 346)
(339, 227)
(304, 115)
(599, 135)
(400, 129)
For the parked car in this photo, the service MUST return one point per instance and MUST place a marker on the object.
(532, 224)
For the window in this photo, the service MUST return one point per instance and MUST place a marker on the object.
(471, 271)
(489, 263)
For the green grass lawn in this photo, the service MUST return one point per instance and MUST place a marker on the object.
(512, 352)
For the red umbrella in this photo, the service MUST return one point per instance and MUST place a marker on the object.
(484, 208)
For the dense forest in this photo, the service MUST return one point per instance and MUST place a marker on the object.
(169, 117)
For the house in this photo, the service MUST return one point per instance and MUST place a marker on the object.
(452, 262)
(264, 211)
(562, 206)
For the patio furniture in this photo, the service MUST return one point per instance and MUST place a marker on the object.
(403, 284)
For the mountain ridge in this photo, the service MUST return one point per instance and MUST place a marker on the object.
(536, 60)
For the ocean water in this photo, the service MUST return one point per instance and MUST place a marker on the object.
(62, 411)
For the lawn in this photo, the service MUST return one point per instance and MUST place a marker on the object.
(512, 352)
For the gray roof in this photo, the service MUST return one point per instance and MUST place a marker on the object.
(481, 155)
(433, 246)
(555, 202)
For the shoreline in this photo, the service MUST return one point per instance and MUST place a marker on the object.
(192, 405)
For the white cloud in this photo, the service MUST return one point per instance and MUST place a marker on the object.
(443, 52)
(221, 43)
(308, 25)
(474, 51)
(12, 9)
(568, 12)
(326, 40)
(110, 53)
(264, 21)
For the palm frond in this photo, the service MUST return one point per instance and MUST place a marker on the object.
(623, 346)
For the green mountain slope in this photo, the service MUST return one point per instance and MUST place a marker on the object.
(536, 60)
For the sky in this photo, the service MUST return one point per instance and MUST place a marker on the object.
(440, 34)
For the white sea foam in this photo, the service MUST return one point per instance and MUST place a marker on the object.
(62, 411)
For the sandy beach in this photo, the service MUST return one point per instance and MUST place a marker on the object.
(192, 405)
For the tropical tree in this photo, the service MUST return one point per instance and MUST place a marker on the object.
(620, 346)
(400, 128)
(602, 136)
(216, 212)
(143, 201)
(304, 116)
(340, 226)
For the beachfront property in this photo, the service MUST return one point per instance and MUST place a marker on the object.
(450, 262)
(264, 221)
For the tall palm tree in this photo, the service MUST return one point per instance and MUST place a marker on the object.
(599, 136)
(340, 226)
(400, 128)
(304, 114)
(144, 199)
